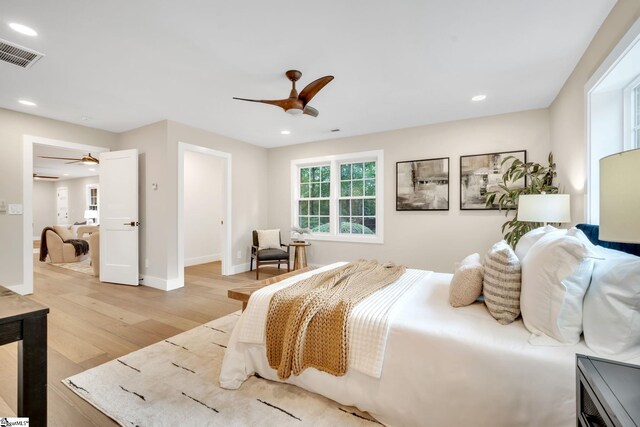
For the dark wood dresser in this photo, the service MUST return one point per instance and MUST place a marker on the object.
(608, 393)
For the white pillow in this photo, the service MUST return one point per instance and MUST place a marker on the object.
(612, 305)
(556, 273)
(466, 285)
(269, 239)
(528, 240)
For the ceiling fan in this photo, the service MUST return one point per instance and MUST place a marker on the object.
(38, 176)
(85, 160)
(297, 103)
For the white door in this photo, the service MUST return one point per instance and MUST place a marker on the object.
(119, 217)
(62, 205)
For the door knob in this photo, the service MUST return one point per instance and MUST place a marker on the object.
(132, 223)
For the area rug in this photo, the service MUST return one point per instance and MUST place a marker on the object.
(175, 383)
(83, 266)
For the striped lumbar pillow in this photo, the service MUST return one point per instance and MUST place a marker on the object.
(502, 281)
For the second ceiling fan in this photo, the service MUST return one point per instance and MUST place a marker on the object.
(87, 159)
(297, 103)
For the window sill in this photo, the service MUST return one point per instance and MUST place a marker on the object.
(347, 239)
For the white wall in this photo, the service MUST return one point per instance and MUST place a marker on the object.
(429, 240)
(203, 202)
(44, 206)
(77, 193)
(567, 112)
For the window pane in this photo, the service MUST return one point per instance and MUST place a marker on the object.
(304, 207)
(304, 222)
(370, 226)
(314, 222)
(324, 220)
(345, 225)
(325, 189)
(345, 207)
(304, 175)
(326, 174)
(356, 207)
(357, 188)
(357, 171)
(315, 174)
(315, 190)
(356, 225)
(370, 170)
(370, 187)
(324, 207)
(345, 188)
(304, 190)
(370, 207)
(345, 172)
(314, 206)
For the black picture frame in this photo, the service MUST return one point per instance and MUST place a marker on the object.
(479, 173)
(422, 185)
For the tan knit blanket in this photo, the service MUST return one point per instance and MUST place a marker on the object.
(307, 321)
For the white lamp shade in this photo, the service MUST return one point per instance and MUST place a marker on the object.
(544, 208)
(620, 197)
(90, 214)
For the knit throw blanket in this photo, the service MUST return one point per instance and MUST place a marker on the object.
(307, 322)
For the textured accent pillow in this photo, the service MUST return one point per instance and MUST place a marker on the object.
(269, 239)
(502, 283)
(612, 305)
(555, 276)
(64, 231)
(528, 240)
(466, 285)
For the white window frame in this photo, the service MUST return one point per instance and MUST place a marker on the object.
(89, 187)
(334, 162)
(629, 111)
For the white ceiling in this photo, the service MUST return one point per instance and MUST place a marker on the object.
(397, 64)
(61, 168)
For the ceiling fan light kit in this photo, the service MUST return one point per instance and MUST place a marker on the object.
(297, 104)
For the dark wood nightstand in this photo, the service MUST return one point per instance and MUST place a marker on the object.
(608, 393)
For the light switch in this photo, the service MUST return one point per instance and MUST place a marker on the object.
(15, 209)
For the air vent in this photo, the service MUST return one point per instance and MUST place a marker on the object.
(18, 55)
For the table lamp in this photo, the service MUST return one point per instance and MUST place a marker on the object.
(620, 197)
(544, 208)
(91, 215)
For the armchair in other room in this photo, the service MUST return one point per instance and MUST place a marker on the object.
(267, 249)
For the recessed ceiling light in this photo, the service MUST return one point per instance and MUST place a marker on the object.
(23, 29)
(478, 98)
(84, 118)
(285, 132)
(92, 169)
(29, 103)
(65, 174)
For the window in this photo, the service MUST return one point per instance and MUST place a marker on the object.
(631, 115)
(339, 197)
(93, 201)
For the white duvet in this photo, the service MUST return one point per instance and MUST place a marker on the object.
(442, 366)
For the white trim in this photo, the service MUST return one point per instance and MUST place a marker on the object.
(334, 161)
(204, 259)
(628, 114)
(27, 201)
(227, 218)
(158, 283)
(626, 43)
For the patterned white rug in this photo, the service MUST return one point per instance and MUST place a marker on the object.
(83, 266)
(175, 383)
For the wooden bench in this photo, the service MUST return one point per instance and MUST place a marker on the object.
(244, 293)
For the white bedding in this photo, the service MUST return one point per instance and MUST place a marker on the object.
(442, 366)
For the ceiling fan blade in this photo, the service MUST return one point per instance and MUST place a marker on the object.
(35, 175)
(282, 103)
(311, 111)
(75, 161)
(313, 88)
(59, 158)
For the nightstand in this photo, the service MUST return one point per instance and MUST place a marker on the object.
(608, 393)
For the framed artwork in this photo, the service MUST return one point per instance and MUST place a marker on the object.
(482, 173)
(422, 185)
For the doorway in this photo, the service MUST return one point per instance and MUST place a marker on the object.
(204, 207)
(27, 197)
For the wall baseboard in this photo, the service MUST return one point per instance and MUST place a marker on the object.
(239, 268)
(202, 259)
(158, 283)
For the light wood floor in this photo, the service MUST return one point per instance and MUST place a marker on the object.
(91, 323)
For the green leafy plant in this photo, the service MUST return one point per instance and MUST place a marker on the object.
(538, 180)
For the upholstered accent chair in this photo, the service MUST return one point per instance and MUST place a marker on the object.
(58, 250)
(270, 255)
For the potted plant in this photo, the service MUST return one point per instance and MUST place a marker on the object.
(538, 180)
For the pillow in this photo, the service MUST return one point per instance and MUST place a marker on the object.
(612, 305)
(502, 283)
(528, 240)
(556, 273)
(466, 285)
(269, 239)
(64, 231)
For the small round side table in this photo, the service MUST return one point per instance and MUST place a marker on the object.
(300, 257)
